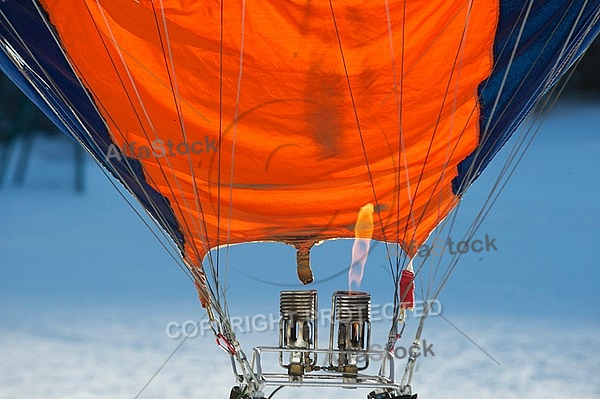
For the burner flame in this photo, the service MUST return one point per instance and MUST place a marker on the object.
(363, 231)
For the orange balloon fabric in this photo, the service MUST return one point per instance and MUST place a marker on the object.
(279, 120)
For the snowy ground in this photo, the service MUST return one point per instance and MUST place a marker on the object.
(112, 353)
(86, 293)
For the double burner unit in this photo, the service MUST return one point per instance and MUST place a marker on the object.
(345, 361)
(349, 334)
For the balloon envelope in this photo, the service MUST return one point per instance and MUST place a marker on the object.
(248, 121)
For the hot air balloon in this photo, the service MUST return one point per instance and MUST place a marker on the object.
(295, 122)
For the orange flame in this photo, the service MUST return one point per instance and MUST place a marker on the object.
(363, 231)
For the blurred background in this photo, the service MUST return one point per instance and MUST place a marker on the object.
(87, 292)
